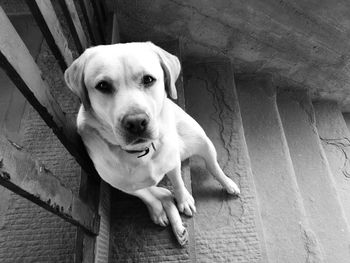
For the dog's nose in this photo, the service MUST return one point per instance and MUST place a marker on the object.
(135, 123)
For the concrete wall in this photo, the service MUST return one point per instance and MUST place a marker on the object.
(304, 43)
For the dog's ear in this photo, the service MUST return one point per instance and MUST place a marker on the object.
(74, 77)
(171, 67)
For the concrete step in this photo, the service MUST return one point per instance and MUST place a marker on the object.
(315, 180)
(227, 229)
(335, 139)
(346, 116)
(286, 228)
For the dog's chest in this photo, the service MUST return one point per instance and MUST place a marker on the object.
(127, 172)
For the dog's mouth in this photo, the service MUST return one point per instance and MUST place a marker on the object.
(139, 144)
(140, 141)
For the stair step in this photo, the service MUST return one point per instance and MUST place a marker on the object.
(346, 116)
(314, 177)
(227, 229)
(335, 138)
(286, 228)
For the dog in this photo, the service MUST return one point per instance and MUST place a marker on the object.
(134, 133)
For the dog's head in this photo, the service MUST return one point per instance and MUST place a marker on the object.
(125, 86)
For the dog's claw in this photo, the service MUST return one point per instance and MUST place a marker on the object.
(158, 214)
(165, 221)
(231, 187)
(182, 236)
(187, 210)
(185, 203)
(161, 220)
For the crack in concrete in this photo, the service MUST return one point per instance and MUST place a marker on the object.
(341, 144)
(312, 247)
(220, 116)
(18, 147)
(307, 107)
(218, 98)
(255, 37)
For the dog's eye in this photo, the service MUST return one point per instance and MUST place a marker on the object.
(104, 87)
(147, 80)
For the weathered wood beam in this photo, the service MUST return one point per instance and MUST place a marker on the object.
(20, 66)
(104, 210)
(112, 35)
(100, 20)
(104, 11)
(88, 14)
(49, 24)
(20, 173)
(85, 243)
(72, 17)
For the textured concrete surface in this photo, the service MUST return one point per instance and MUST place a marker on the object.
(347, 119)
(305, 43)
(27, 232)
(286, 228)
(314, 177)
(135, 238)
(227, 229)
(335, 138)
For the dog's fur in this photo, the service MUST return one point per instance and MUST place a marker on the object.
(171, 135)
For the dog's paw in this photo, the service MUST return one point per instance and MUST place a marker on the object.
(185, 202)
(231, 187)
(172, 212)
(158, 214)
(181, 235)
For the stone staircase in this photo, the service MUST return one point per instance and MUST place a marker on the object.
(290, 157)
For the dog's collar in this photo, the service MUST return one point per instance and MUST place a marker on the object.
(144, 152)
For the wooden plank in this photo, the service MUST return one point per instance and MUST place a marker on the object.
(30, 179)
(112, 35)
(100, 20)
(23, 71)
(49, 24)
(14, 115)
(85, 243)
(86, 9)
(72, 17)
(115, 30)
(104, 11)
(104, 210)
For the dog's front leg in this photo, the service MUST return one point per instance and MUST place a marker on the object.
(162, 209)
(154, 205)
(184, 199)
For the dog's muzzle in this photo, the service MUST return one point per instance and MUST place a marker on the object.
(135, 124)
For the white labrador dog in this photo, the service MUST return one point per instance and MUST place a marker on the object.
(133, 133)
